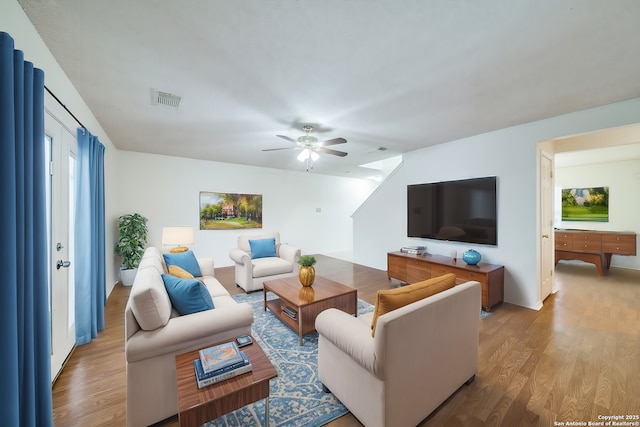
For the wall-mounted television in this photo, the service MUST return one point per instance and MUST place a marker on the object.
(462, 211)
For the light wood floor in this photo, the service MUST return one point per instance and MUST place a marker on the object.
(576, 359)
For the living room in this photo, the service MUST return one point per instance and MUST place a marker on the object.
(331, 206)
(354, 219)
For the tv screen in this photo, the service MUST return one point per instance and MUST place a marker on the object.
(461, 211)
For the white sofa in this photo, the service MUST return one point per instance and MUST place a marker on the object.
(420, 355)
(252, 273)
(155, 333)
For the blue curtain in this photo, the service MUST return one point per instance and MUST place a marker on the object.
(89, 238)
(25, 345)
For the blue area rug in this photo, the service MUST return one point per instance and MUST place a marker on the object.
(296, 397)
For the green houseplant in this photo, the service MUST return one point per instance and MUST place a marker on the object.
(133, 238)
(307, 273)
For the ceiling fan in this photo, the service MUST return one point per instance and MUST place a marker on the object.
(310, 146)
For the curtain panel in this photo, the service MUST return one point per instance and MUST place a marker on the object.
(25, 389)
(89, 238)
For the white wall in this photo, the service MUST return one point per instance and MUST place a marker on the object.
(14, 21)
(623, 180)
(510, 154)
(166, 190)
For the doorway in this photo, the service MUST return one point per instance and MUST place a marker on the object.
(60, 148)
(600, 146)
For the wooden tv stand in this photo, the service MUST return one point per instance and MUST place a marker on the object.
(595, 247)
(410, 268)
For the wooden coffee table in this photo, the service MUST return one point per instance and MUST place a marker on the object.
(196, 405)
(305, 303)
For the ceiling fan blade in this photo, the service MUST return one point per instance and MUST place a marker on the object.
(334, 141)
(288, 138)
(278, 149)
(330, 151)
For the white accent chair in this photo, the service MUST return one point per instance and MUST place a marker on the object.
(252, 273)
(420, 355)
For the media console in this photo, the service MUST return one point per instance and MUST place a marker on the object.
(412, 268)
(595, 247)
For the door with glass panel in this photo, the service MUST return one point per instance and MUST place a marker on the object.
(60, 145)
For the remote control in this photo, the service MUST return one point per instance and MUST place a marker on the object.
(243, 340)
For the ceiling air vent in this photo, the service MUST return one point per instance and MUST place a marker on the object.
(166, 99)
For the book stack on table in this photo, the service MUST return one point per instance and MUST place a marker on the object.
(290, 312)
(219, 363)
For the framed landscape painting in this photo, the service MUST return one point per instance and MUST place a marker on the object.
(230, 211)
(585, 204)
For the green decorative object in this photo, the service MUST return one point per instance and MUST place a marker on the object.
(133, 238)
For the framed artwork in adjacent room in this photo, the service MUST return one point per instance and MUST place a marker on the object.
(585, 204)
(230, 211)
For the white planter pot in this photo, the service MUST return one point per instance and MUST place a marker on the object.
(128, 276)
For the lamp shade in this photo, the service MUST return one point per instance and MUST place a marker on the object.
(177, 236)
(304, 155)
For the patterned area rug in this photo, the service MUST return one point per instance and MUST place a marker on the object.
(296, 396)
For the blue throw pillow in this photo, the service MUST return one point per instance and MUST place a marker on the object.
(263, 248)
(187, 295)
(185, 260)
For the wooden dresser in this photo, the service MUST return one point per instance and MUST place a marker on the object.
(410, 268)
(595, 247)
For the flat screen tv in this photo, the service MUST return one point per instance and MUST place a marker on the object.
(461, 211)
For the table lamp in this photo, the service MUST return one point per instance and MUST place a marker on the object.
(177, 236)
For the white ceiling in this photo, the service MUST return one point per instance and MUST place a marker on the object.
(598, 155)
(400, 74)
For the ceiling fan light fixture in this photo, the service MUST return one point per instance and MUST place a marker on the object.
(304, 155)
(311, 147)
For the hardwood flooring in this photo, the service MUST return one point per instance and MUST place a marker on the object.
(576, 359)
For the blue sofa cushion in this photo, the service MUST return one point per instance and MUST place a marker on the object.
(185, 260)
(187, 295)
(263, 248)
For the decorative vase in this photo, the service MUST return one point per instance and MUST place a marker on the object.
(128, 276)
(306, 275)
(471, 257)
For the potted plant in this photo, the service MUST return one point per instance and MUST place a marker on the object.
(133, 238)
(307, 273)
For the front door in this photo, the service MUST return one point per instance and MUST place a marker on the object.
(60, 143)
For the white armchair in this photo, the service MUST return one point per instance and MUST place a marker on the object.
(252, 271)
(420, 355)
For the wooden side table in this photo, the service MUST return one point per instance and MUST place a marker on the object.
(197, 406)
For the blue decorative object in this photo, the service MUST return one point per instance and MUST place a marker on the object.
(187, 295)
(471, 257)
(263, 248)
(185, 260)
